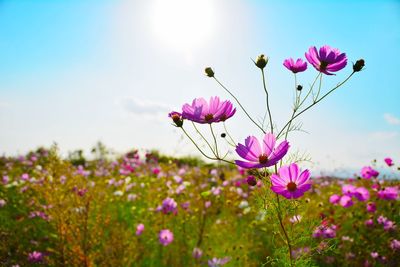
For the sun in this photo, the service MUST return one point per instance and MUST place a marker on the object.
(183, 24)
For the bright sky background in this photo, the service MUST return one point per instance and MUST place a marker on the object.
(76, 72)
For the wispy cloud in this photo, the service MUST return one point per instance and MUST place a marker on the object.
(391, 119)
(143, 106)
(4, 105)
(383, 136)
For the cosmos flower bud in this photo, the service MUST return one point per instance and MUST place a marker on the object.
(359, 65)
(261, 61)
(176, 118)
(299, 87)
(251, 180)
(209, 72)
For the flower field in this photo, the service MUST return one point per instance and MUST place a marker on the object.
(152, 210)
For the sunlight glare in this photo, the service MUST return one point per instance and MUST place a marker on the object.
(183, 24)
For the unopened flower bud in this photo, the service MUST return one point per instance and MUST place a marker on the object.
(261, 61)
(176, 118)
(299, 87)
(209, 72)
(251, 180)
(359, 65)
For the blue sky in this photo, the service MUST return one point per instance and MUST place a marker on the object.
(75, 72)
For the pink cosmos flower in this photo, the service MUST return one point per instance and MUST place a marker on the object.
(25, 177)
(328, 59)
(325, 231)
(395, 244)
(389, 225)
(290, 183)
(215, 262)
(202, 111)
(389, 161)
(369, 222)
(156, 171)
(345, 201)
(374, 254)
(139, 229)
(362, 194)
(258, 157)
(381, 219)
(388, 193)
(35, 257)
(166, 237)
(367, 172)
(371, 207)
(334, 199)
(295, 67)
(348, 190)
(197, 253)
(169, 205)
(2, 203)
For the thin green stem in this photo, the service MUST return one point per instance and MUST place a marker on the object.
(319, 88)
(314, 103)
(310, 90)
(237, 101)
(215, 141)
(201, 151)
(202, 136)
(295, 90)
(284, 230)
(267, 100)
(295, 107)
(198, 148)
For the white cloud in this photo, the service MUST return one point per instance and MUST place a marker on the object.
(391, 119)
(4, 105)
(143, 107)
(383, 136)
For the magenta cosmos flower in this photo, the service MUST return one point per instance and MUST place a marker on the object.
(166, 237)
(362, 194)
(290, 183)
(35, 257)
(139, 229)
(388, 193)
(346, 201)
(259, 157)
(169, 205)
(328, 59)
(367, 172)
(389, 162)
(202, 111)
(295, 67)
(334, 199)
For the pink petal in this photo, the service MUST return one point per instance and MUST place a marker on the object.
(253, 145)
(269, 143)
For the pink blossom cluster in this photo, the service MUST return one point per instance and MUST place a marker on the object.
(349, 191)
(35, 257)
(169, 206)
(324, 231)
(368, 172)
(388, 225)
(389, 193)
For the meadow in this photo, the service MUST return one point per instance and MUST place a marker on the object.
(154, 210)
